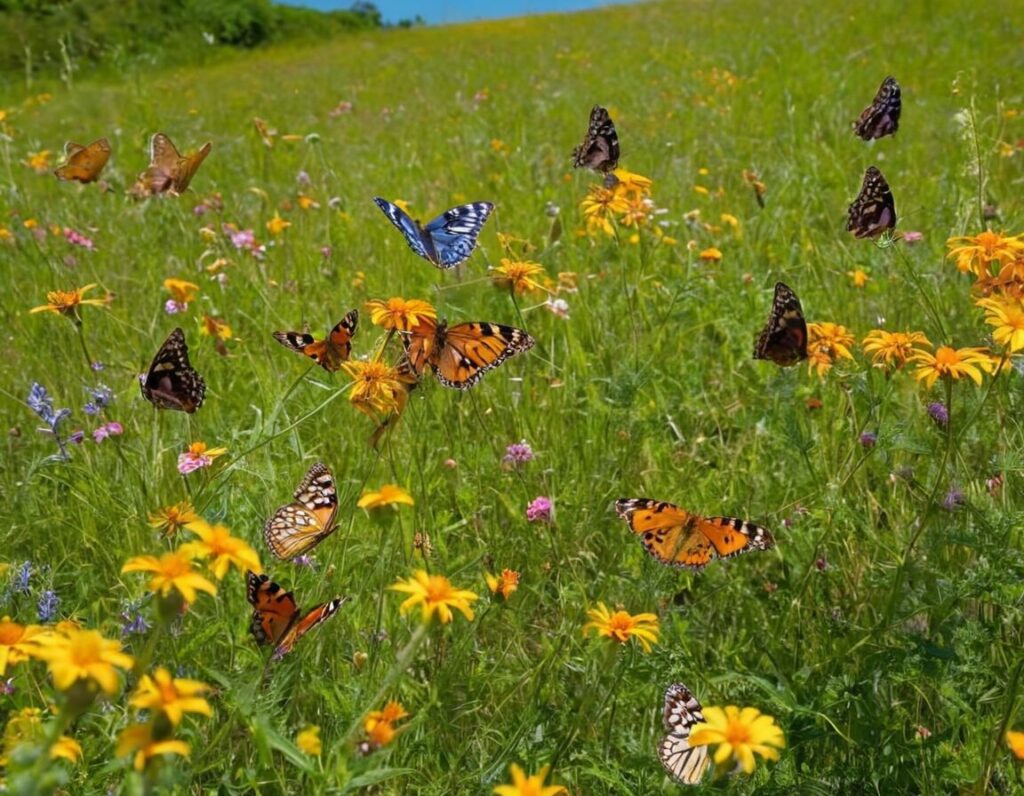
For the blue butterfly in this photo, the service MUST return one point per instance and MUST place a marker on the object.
(448, 239)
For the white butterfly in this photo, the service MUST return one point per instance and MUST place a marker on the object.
(685, 763)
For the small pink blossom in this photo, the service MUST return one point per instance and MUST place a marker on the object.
(78, 239)
(539, 510)
(107, 430)
(197, 457)
(559, 307)
(913, 237)
(172, 307)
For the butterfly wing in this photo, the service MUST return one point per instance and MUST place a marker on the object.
(453, 234)
(414, 236)
(170, 382)
(873, 211)
(600, 148)
(420, 345)
(274, 609)
(300, 526)
(784, 338)
(685, 763)
(328, 353)
(882, 116)
(187, 167)
(84, 163)
(464, 353)
(315, 616)
(163, 165)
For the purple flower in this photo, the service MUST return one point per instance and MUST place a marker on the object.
(47, 606)
(938, 413)
(305, 561)
(243, 239)
(953, 499)
(172, 307)
(539, 510)
(821, 564)
(326, 252)
(302, 178)
(200, 209)
(77, 436)
(7, 687)
(107, 430)
(102, 396)
(868, 439)
(518, 453)
(913, 237)
(78, 239)
(97, 366)
(41, 403)
(22, 578)
(133, 620)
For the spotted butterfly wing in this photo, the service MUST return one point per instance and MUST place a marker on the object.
(84, 163)
(328, 353)
(600, 148)
(276, 619)
(678, 538)
(784, 338)
(882, 116)
(298, 527)
(873, 211)
(447, 240)
(460, 355)
(685, 763)
(170, 382)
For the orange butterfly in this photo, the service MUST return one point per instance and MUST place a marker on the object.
(169, 171)
(328, 353)
(276, 618)
(681, 539)
(460, 355)
(302, 525)
(84, 163)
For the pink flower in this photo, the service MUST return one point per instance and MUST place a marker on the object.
(243, 239)
(107, 430)
(517, 453)
(172, 307)
(197, 457)
(78, 239)
(539, 510)
(913, 237)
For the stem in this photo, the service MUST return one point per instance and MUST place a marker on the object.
(982, 785)
(85, 351)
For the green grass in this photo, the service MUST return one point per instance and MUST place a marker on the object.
(647, 390)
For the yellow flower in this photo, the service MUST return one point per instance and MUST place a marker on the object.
(711, 255)
(139, 739)
(1015, 740)
(379, 725)
(1007, 315)
(277, 225)
(308, 202)
(701, 190)
(892, 349)
(30, 223)
(18, 642)
(308, 741)
(952, 363)
(6, 234)
(739, 734)
(68, 748)
(215, 327)
(67, 302)
(980, 251)
(517, 276)
(858, 277)
(387, 495)
(629, 185)
(622, 626)
(181, 291)
(39, 161)
(506, 583)
(225, 549)
(827, 342)
(83, 655)
(600, 206)
(174, 698)
(172, 570)
(637, 212)
(26, 726)
(499, 146)
(528, 786)
(377, 388)
(171, 519)
(399, 313)
(436, 594)
(393, 711)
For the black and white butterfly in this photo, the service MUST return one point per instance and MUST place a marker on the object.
(448, 239)
(600, 148)
(873, 211)
(685, 763)
(784, 338)
(170, 382)
(882, 116)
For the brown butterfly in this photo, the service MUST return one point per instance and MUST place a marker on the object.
(882, 116)
(328, 353)
(169, 171)
(678, 538)
(276, 619)
(264, 131)
(873, 211)
(84, 163)
(460, 355)
(600, 148)
(784, 338)
(170, 382)
(300, 526)
(687, 764)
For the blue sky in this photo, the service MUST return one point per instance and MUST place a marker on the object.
(440, 11)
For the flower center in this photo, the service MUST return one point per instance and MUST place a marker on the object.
(85, 651)
(10, 633)
(946, 358)
(737, 733)
(175, 567)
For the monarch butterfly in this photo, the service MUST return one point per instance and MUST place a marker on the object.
(328, 353)
(873, 211)
(682, 711)
(169, 171)
(300, 526)
(784, 338)
(170, 382)
(460, 355)
(276, 618)
(447, 240)
(600, 148)
(882, 116)
(678, 538)
(84, 163)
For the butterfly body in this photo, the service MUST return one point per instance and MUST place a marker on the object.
(600, 148)
(276, 619)
(300, 526)
(682, 711)
(873, 211)
(170, 382)
(882, 116)
(328, 353)
(84, 163)
(169, 171)
(784, 338)
(676, 537)
(447, 240)
(460, 355)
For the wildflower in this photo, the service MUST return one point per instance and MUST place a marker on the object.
(170, 519)
(20, 583)
(518, 453)
(307, 202)
(533, 785)
(951, 363)
(39, 161)
(198, 456)
(377, 388)
(172, 571)
(78, 239)
(739, 734)
(67, 302)
(18, 642)
(326, 252)
(710, 255)
(217, 542)
(46, 607)
(539, 510)
(911, 236)
(922, 732)
(506, 583)
(632, 185)
(980, 251)
(892, 349)
(133, 622)
(102, 397)
(868, 439)
(277, 225)
(821, 564)
(752, 179)
(825, 343)
(242, 238)
(600, 205)
(83, 655)
(215, 327)
(308, 741)
(994, 485)
(67, 748)
(436, 595)
(139, 739)
(858, 277)
(1006, 314)
(387, 495)
(399, 313)
(938, 412)
(182, 294)
(40, 402)
(1015, 740)
(622, 626)
(517, 276)
(559, 307)
(954, 498)
(172, 697)
(107, 430)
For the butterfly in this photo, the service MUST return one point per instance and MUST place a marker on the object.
(169, 171)
(784, 338)
(84, 163)
(276, 618)
(873, 211)
(300, 526)
(460, 355)
(448, 239)
(882, 116)
(681, 539)
(328, 353)
(600, 148)
(685, 763)
(170, 382)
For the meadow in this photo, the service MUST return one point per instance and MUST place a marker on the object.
(884, 630)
